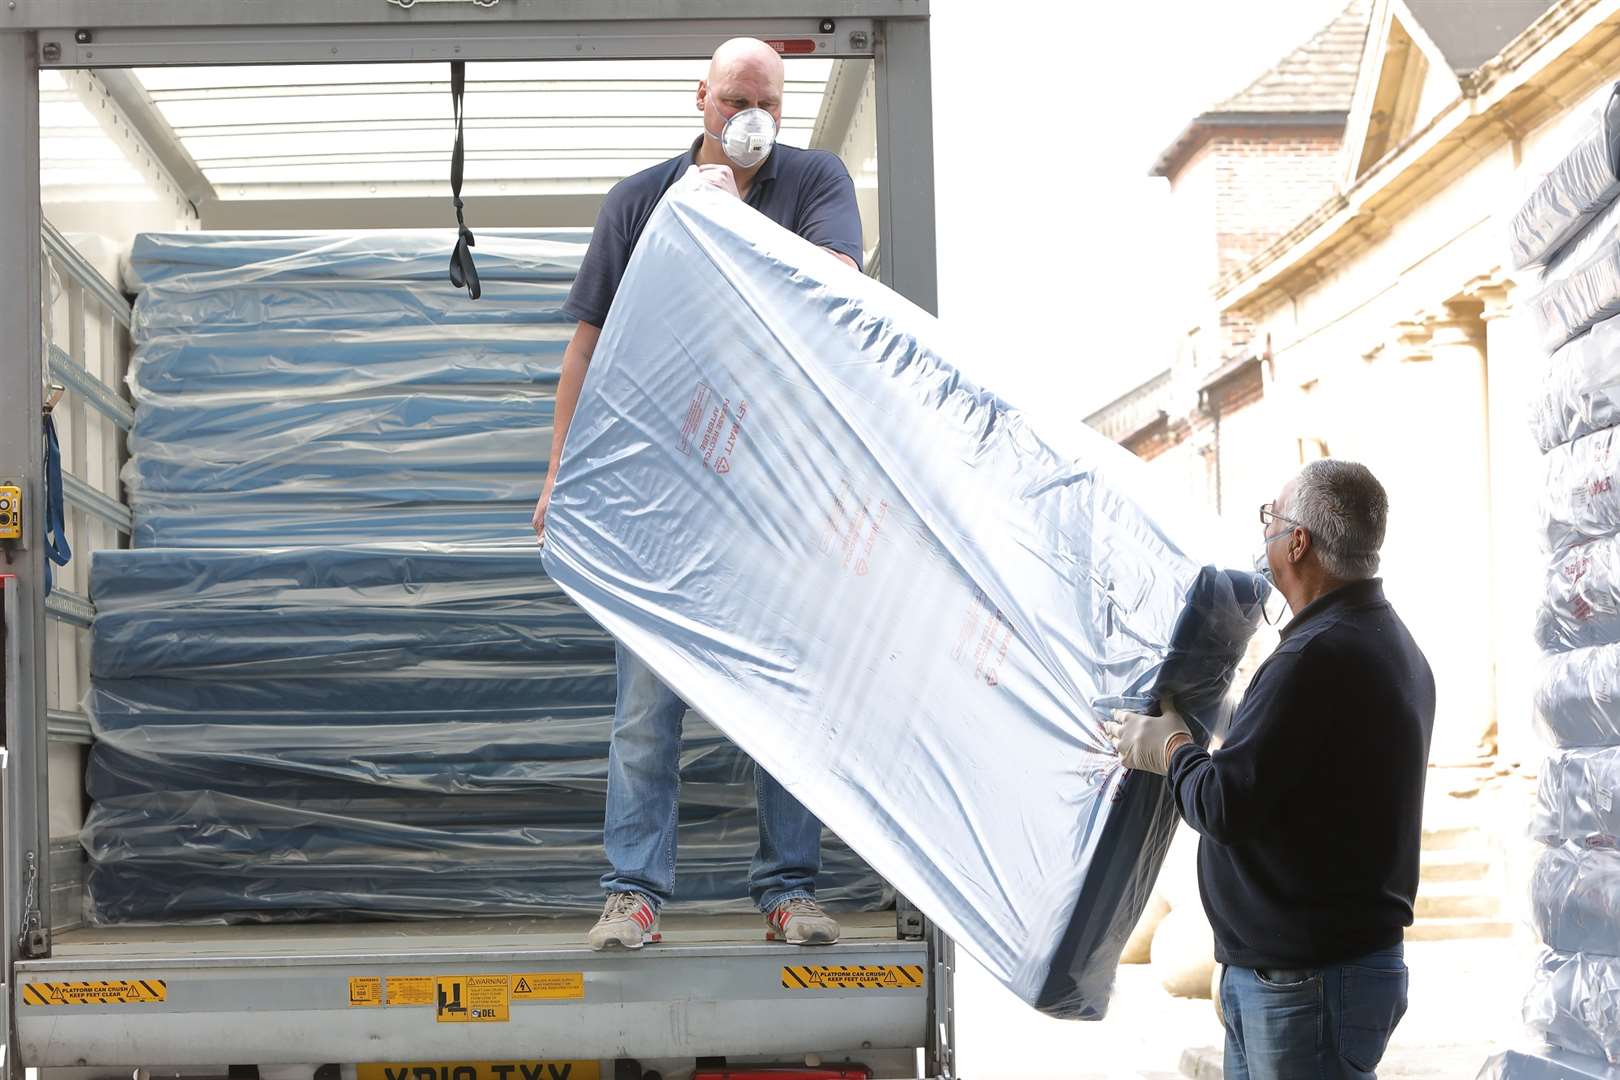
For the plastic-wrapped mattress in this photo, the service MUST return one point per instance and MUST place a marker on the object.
(1580, 393)
(1575, 899)
(1581, 497)
(1581, 603)
(1576, 798)
(1577, 700)
(208, 261)
(1574, 1002)
(1547, 1063)
(337, 306)
(905, 603)
(1568, 197)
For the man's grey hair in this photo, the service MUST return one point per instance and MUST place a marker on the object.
(1344, 508)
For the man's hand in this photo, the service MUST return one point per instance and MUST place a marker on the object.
(539, 519)
(719, 176)
(1144, 741)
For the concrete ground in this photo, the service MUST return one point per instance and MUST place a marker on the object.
(1464, 1006)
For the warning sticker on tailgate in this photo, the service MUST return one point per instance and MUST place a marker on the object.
(852, 977)
(115, 992)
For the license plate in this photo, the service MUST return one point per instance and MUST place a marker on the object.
(540, 1069)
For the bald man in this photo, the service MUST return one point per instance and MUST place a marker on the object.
(810, 192)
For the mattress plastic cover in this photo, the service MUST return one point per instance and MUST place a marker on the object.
(1580, 605)
(1572, 305)
(906, 604)
(1546, 1063)
(1575, 799)
(245, 857)
(337, 306)
(1574, 1002)
(1575, 899)
(288, 612)
(1581, 497)
(281, 364)
(1577, 699)
(1580, 393)
(1578, 188)
(206, 261)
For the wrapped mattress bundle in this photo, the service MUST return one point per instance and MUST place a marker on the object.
(208, 261)
(904, 602)
(1588, 295)
(188, 855)
(1575, 899)
(1576, 798)
(1581, 498)
(1585, 182)
(1547, 1063)
(1580, 393)
(1574, 1002)
(334, 388)
(1577, 700)
(1581, 604)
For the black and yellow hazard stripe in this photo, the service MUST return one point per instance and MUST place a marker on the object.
(852, 977)
(118, 992)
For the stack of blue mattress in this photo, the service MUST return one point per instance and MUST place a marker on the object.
(332, 679)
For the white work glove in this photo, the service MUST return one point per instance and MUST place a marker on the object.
(1143, 741)
(717, 176)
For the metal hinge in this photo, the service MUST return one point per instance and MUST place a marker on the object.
(32, 941)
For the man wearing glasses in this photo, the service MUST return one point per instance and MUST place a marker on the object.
(1311, 811)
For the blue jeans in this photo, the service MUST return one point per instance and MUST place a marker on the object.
(644, 786)
(1328, 1023)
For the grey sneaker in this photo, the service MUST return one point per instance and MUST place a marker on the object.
(800, 921)
(628, 920)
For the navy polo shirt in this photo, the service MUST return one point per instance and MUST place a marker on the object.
(808, 191)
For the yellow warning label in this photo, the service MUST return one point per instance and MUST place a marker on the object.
(410, 990)
(365, 992)
(482, 1070)
(117, 992)
(853, 977)
(465, 999)
(548, 986)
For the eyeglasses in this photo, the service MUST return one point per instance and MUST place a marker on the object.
(1268, 514)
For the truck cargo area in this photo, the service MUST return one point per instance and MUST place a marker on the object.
(121, 131)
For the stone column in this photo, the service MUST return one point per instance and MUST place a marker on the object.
(1514, 368)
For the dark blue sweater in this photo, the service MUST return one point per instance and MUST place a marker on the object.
(1311, 812)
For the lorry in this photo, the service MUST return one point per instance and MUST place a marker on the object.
(301, 999)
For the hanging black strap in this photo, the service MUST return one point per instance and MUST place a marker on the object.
(56, 542)
(463, 274)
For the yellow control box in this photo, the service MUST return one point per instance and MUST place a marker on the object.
(10, 512)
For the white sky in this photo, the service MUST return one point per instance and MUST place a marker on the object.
(1047, 117)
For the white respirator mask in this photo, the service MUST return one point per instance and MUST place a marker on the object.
(747, 138)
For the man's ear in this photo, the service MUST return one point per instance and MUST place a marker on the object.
(702, 93)
(1303, 539)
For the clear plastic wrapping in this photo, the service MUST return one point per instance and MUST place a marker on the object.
(1575, 899)
(907, 604)
(1547, 1063)
(1569, 196)
(230, 520)
(228, 369)
(1586, 296)
(286, 612)
(1577, 700)
(1581, 499)
(198, 262)
(1576, 798)
(240, 857)
(1581, 604)
(334, 305)
(1574, 1002)
(1580, 393)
